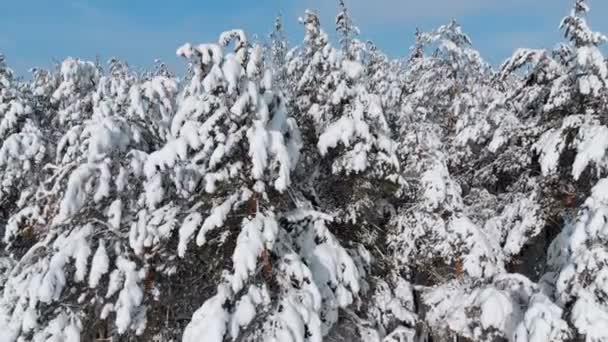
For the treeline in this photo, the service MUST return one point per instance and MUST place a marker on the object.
(319, 193)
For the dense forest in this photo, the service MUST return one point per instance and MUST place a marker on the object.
(322, 192)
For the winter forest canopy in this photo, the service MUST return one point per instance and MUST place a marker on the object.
(322, 192)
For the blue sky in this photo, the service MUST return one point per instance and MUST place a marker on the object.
(38, 32)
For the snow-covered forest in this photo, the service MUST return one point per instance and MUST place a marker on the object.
(310, 191)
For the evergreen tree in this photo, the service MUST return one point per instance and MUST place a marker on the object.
(323, 193)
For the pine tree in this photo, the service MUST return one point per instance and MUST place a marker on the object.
(277, 56)
(327, 192)
(346, 30)
(576, 101)
(93, 187)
